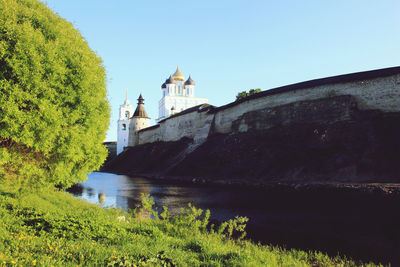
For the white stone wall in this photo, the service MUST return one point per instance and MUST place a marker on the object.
(380, 93)
(195, 125)
(149, 136)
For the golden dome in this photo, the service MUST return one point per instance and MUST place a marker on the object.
(178, 76)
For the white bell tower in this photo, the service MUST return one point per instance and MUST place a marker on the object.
(125, 113)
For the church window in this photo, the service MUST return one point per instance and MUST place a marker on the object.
(127, 115)
(124, 127)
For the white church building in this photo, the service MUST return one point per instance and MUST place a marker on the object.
(177, 96)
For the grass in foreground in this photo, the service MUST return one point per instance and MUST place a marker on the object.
(56, 229)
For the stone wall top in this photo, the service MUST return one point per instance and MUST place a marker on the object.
(198, 108)
(345, 78)
(150, 128)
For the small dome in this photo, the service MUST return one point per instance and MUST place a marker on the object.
(140, 112)
(170, 81)
(178, 76)
(190, 81)
(164, 85)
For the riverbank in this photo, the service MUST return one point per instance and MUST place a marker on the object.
(391, 190)
(359, 155)
(362, 226)
(37, 229)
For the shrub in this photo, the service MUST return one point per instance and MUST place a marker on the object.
(53, 107)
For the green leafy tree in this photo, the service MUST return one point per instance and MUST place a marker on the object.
(243, 94)
(53, 107)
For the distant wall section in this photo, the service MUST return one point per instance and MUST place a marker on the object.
(194, 123)
(379, 93)
(112, 150)
(374, 90)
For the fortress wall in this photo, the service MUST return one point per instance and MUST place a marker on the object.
(322, 110)
(288, 103)
(379, 93)
(149, 136)
(195, 125)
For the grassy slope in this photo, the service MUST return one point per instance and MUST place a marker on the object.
(53, 228)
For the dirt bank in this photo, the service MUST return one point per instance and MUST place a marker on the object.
(357, 154)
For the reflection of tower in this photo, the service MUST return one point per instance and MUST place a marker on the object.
(138, 121)
(125, 112)
(178, 95)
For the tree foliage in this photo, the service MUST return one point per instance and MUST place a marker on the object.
(53, 107)
(243, 94)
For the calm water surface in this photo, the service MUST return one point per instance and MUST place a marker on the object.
(362, 227)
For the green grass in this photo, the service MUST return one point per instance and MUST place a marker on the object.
(51, 228)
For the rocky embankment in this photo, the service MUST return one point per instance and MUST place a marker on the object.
(358, 154)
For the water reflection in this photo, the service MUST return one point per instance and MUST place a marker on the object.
(359, 226)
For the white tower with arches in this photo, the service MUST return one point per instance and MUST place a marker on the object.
(125, 113)
(178, 95)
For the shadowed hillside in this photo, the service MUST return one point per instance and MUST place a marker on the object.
(362, 149)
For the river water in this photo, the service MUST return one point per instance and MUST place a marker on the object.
(355, 225)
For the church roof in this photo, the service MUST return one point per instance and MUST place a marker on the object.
(170, 80)
(178, 76)
(164, 85)
(140, 112)
(190, 81)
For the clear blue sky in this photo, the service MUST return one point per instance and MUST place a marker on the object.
(230, 46)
